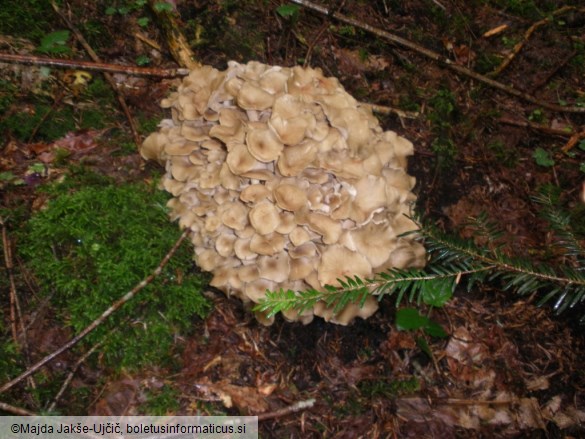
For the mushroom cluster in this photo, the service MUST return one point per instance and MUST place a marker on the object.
(284, 181)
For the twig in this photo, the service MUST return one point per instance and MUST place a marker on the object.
(88, 65)
(15, 311)
(9, 267)
(535, 126)
(15, 410)
(527, 35)
(573, 141)
(118, 304)
(440, 59)
(296, 407)
(108, 77)
(72, 374)
(382, 109)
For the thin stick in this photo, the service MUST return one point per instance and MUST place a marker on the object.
(8, 265)
(109, 78)
(95, 66)
(15, 311)
(118, 304)
(536, 126)
(440, 59)
(15, 410)
(72, 374)
(296, 407)
(518, 47)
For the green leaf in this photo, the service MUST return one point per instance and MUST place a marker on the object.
(288, 11)
(143, 21)
(163, 6)
(435, 330)
(410, 319)
(438, 292)
(581, 145)
(582, 167)
(543, 158)
(142, 60)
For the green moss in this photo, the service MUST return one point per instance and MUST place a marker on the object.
(161, 402)
(90, 247)
(391, 389)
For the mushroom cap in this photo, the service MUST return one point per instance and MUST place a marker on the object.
(264, 217)
(275, 268)
(338, 262)
(289, 197)
(262, 144)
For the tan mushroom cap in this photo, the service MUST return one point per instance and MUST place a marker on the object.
(301, 268)
(262, 143)
(289, 197)
(243, 251)
(234, 215)
(337, 262)
(328, 228)
(267, 244)
(153, 146)
(348, 313)
(240, 161)
(295, 159)
(275, 268)
(256, 290)
(255, 193)
(264, 217)
(252, 97)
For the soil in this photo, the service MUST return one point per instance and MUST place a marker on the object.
(508, 368)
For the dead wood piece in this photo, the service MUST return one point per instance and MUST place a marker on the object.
(296, 407)
(535, 126)
(87, 65)
(575, 138)
(178, 44)
(440, 59)
(97, 322)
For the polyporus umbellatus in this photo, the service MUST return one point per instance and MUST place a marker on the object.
(285, 181)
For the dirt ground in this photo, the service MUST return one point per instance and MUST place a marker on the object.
(508, 368)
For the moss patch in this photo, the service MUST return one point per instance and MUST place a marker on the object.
(90, 247)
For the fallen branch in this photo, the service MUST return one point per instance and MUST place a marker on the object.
(440, 59)
(108, 77)
(518, 47)
(296, 407)
(536, 127)
(117, 305)
(96, 66)
(15, 410)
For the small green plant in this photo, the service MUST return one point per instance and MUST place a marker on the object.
(442, 117)
(55, 43)
(543, 158)
(289, 11)
(90, 247)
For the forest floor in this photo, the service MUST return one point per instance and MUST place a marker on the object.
(507, 369)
